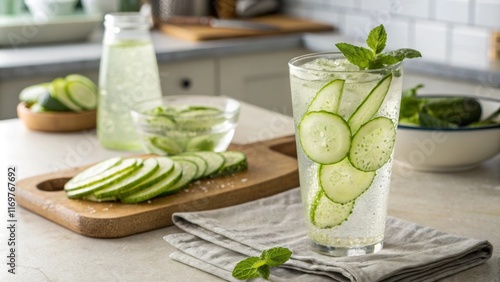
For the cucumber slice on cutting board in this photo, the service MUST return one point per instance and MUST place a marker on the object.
(214, 162)
(327, 214)
(155, 189)
(148, 168)
(325, 137)
(88, 190)
(165, 167)
(189, 170)
(372, 145)
(118, 168)
(328, 97)
(234, 162)
(371, 105)
(96, 169)
(199, 161)
(342, 183)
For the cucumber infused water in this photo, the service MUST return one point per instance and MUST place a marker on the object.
(346, 109)
(344, 162)
(128, 75)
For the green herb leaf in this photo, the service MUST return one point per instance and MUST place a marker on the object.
(276, 256)
(358, 56)
(245, 270)
(264, 271)
(382, 60)
(377, 39)
(254, 267)
(412, 92)
(405, 53)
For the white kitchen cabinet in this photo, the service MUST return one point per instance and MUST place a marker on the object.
(261, 79)
(189, 77)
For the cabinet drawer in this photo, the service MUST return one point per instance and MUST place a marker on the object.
(188, 77)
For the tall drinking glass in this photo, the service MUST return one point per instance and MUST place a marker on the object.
(345, 122)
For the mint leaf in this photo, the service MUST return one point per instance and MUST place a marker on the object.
(264, 271)
(276, 256)
(405, 53)
(412, 92)
(358, 56)
(254, 267)
(382, 60)
(244, 270)
(377, 39)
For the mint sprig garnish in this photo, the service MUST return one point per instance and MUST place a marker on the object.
(254, 267)
(373, 58)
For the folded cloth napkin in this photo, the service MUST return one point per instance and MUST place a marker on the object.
(215, 241)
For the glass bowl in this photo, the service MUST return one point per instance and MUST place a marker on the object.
(186, 123)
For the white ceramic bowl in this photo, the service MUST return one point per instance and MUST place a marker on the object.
(447, 150)
(46, 9)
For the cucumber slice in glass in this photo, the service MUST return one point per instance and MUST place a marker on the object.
(148, 168)
(82, 95)
(327, 214)
(328, 97)
(122, 166)
(325, 137)
(166, 144)
(199, 161)
(155, 189)
(370, 106)
(342, 182)
(372, 145)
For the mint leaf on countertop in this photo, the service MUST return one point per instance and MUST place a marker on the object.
(254, 267)
(374, 59)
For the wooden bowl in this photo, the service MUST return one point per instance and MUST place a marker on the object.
(56, 121)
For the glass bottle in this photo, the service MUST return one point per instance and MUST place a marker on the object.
(128, 74)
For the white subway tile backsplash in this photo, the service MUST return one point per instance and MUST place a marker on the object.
(431, 40)
(357, 26)
(469, 47)
(375, 5)
(487, 13)
(340, 3)
(456, 11)
(411, 8)
(398, 33)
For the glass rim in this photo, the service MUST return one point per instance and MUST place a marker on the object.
(292, 64)
(138, 109)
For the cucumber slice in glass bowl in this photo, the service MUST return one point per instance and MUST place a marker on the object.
(325, 137)
(372, 145)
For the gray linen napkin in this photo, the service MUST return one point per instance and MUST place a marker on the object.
(218, 239)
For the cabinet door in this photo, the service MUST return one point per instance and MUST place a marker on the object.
(188, 77)
(259, 79)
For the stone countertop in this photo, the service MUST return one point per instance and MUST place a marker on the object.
(32, 60)
(465, 204)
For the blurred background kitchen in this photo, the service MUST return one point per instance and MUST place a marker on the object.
(459, 41)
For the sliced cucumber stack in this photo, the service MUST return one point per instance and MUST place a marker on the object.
(347, 152)
(73, 93)
(136, 180)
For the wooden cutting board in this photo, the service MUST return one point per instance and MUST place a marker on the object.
(272, 169)
(285, 24)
